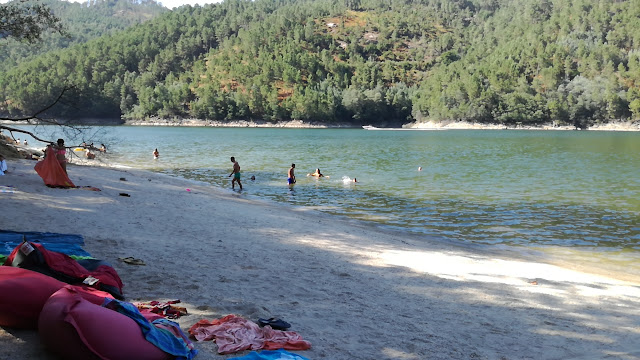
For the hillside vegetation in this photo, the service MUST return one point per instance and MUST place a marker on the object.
(82, 22)
(353, 61)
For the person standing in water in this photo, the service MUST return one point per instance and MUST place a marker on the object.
(235, 173)
(291, 175)
(156, 154)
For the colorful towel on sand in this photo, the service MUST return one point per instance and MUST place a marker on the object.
(68, 244)
(7, 189)
(163, 333)
(233, 333)
(270, 355)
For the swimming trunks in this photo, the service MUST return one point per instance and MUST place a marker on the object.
(236, 176)
(291, 181)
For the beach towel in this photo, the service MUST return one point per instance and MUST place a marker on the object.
(270, 355)
(233, 333)
(69, 244)
(51, 172)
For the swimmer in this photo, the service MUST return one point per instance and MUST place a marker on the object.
(419, 168)
(347, 180)
(156, 154)
(317, 173)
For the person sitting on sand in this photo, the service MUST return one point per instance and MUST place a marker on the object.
(317, 173)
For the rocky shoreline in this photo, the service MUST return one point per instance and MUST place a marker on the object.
(453, 125)
(236, 123)
(299, 124)
(612, 126)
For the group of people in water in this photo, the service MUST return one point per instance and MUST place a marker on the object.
(291, 175)
(59, 150)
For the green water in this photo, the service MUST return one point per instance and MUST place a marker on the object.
(569, 189)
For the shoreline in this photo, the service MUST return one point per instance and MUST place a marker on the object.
(352, 290)
(445, 125)
(299, 124)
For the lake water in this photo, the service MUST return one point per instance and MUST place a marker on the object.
(574, 190)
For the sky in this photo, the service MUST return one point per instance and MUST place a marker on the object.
(168, 3)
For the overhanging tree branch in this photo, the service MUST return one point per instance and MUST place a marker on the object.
(36, 117)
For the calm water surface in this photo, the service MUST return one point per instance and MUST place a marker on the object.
(569, 189)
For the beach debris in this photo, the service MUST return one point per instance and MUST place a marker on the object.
(123, 179)
(132, 261)
(188, 190)
(275, 323)
(124, 194)
(166, 309)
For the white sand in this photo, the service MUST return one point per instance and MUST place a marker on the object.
(353, 291)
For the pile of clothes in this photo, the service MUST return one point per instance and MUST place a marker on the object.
(77, 305)
(77, 308)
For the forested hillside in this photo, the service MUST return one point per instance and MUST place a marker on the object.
(357, 61)
(82, 22)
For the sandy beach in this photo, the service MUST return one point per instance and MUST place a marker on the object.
(354, 291)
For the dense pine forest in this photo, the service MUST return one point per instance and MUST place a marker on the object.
(81, 23)
(388, 62)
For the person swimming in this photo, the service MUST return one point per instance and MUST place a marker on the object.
(317, 173)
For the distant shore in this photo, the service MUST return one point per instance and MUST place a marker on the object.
(299, 124)
(451, 125)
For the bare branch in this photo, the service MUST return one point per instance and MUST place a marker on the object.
(12, 129)
(35, 116)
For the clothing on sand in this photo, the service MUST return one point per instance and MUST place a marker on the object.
(163, 333)
(233, 333)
